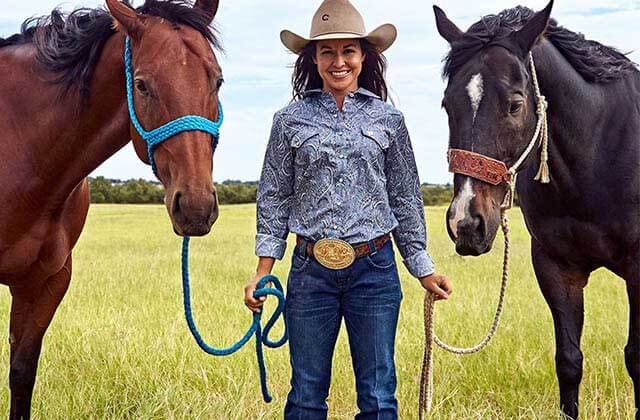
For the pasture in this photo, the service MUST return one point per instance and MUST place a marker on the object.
(119, 346)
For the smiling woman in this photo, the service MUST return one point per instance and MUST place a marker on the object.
(361, 64)
(339, 172)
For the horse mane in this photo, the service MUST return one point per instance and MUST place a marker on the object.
(596, 63)
(69, 45)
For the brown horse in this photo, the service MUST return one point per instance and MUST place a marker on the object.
(63, 111)
(588, 215)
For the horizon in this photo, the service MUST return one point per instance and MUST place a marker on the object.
(253, 93)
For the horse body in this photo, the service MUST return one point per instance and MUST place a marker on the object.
(587, 216)
(584, 215)
(46, 160)
(57, 130)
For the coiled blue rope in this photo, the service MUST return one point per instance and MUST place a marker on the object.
(261, 335)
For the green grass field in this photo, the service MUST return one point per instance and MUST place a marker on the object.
(119, 346)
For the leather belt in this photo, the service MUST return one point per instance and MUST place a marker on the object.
(360, 249)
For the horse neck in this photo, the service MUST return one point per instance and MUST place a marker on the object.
(573, 107)
(81, 137)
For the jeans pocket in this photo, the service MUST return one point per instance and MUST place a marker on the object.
(299, 261)
(382, 260)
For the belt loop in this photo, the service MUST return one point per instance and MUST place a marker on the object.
(372, 247)
(302, 247)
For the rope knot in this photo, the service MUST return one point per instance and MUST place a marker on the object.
(543, 105)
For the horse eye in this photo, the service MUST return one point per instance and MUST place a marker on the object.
(219, 83)
(141, 86)
(515, 107)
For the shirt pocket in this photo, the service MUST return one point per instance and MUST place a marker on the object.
(306, 148)
(379, 137)
(374, 144)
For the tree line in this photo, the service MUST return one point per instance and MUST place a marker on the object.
(140, 191)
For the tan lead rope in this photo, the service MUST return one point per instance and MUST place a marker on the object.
(426, 379)
(541, 133)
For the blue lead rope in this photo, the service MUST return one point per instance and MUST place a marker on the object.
(153, 138)
(262, 336)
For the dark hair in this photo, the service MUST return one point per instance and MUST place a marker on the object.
(69, 45)
(595, 62)
(306, 76)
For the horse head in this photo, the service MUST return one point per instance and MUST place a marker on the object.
(491, 104)
(175, 73)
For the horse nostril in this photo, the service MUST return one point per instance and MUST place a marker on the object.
(175, 208)
(481, 226)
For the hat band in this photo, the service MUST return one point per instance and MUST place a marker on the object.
(339, 32)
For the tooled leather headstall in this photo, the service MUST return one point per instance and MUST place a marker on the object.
(496, 172)
(479, 167)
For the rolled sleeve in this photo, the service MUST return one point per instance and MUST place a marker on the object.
(274, 197)
(405, 199)
(420, 264)
(270, 246)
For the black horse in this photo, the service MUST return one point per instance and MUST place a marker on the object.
(588, 215)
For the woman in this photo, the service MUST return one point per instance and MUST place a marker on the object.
(339, 172)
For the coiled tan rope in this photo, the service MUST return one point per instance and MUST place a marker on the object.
(426, 379)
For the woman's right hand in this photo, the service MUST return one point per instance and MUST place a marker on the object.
(265, 265)
(254, 305)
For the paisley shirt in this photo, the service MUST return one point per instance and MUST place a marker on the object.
(347, 174)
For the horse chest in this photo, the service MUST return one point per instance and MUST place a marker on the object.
(39, 250)
(586, 243)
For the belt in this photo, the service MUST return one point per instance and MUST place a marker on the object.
(360, 249)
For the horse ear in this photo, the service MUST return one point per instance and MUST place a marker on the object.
(533, 29)
(447, 29)
(124, 17)
(210, 7)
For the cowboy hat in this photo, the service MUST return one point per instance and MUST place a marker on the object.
(339, 19)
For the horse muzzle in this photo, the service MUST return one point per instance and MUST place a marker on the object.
(470, 234)
(193, 213)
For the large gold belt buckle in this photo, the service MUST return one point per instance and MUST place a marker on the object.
(334, 253)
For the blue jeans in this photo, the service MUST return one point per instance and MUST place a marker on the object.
(367, 295)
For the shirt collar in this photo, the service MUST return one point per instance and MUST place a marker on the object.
(360, 91)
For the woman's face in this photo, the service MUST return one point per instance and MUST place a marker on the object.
(339, 64)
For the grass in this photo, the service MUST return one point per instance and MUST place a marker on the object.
(120, 348)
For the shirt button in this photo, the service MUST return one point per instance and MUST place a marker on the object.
(341, 156)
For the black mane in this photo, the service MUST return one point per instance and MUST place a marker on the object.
(595, 62)
(70, 45)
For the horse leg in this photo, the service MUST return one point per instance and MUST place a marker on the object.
(632, 349)
(562, 287)
(31, 313)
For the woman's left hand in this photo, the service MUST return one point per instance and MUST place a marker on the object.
(437, 284)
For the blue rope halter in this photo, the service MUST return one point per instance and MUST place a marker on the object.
(154, 138)
(161, 134)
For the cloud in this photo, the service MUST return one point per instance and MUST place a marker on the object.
(257, 67)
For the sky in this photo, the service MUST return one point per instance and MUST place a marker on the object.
(257, 67)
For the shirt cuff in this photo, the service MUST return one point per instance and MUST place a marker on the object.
(420, 264)
(270, 246)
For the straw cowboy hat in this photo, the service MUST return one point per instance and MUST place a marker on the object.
(339, 19)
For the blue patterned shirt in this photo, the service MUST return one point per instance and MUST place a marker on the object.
(347, 174)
